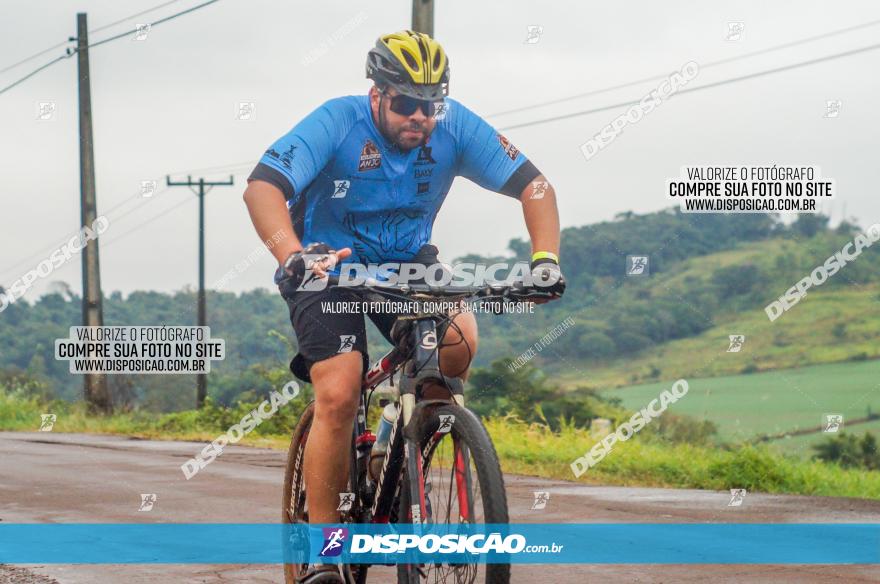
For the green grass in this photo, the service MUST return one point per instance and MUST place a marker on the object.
(537, 451)
(747, 406)
(24, 415)
(522, 448)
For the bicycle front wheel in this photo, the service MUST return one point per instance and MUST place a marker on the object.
(463, 484)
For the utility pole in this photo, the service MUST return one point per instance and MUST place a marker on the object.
(202, 378)
(95, 384)
(423, 16)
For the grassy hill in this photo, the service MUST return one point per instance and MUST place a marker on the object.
(837, 322)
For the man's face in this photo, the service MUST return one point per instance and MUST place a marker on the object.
(407, 131)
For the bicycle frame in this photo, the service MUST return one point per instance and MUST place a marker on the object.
(422, 367)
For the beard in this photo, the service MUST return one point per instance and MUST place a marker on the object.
(407, 136)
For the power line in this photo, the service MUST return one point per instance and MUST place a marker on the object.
(34, 56)
(37, 70)
(70, 52)
(692, 89)
(152, 24)
(155, 217)
(702, 66)
(55, 246)
(136, 197)
(100, 28)
(121, 20)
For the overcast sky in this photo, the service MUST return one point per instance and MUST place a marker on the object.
(167, 105)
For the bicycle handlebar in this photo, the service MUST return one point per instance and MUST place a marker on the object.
(517, 291)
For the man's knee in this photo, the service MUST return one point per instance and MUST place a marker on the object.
(337, 382)
(459, 345)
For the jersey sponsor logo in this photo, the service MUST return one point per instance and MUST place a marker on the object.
(285, 159)
(371, 158)
(423, 188)
(424, 156)
(424, 172)
(509, 148)
(340, 188)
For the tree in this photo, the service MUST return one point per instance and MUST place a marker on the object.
(850, 451)
(809, 225)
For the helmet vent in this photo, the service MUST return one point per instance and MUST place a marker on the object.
(410, 60)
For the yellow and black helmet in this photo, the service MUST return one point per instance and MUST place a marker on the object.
(411, 62)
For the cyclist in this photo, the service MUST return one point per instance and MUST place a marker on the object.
(361, 179)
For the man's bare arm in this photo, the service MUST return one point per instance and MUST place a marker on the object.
(268, 211)
(541, 215)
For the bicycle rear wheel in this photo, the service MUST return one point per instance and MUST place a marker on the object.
(293, 503)
(463, 484)
(294, 507)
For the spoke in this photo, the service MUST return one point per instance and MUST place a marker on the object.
(437, 467)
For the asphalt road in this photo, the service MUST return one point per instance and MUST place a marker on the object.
(67, 478)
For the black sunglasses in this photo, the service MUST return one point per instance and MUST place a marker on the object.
(405, 105)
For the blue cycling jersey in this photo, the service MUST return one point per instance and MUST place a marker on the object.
(347, 186)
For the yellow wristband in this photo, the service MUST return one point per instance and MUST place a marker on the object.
(538, 255)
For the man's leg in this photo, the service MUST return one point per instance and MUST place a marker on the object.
(457, 351)
(325, 464)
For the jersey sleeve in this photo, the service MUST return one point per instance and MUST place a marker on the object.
(295, 159)
(487, 157)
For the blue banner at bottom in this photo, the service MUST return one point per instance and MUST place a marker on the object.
(560, 543)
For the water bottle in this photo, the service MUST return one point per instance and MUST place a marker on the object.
(383, 435)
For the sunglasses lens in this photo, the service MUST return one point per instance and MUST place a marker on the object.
(407, 106)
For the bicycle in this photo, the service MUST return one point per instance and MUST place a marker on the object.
(419, 461)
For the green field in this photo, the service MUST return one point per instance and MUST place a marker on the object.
(829, 325)
(747, 406)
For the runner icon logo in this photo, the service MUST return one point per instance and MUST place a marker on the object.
(346, 343)
(345, 501)
(736, 497)
(637, 266)
(47, 422)
(340, 188)
(541, 499)
(311, 282)
(147, 501)
(736, 343)
(334, 538)
(446, 421)
(833, 422)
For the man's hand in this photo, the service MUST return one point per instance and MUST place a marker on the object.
(547, 276)
(316, 258)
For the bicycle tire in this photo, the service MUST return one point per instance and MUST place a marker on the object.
(293, 514)
(289, 511)
(469, 430)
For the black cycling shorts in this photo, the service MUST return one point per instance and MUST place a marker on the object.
(322, 333)
(331, 321)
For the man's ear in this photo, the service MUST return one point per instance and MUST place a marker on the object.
(374, 99)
